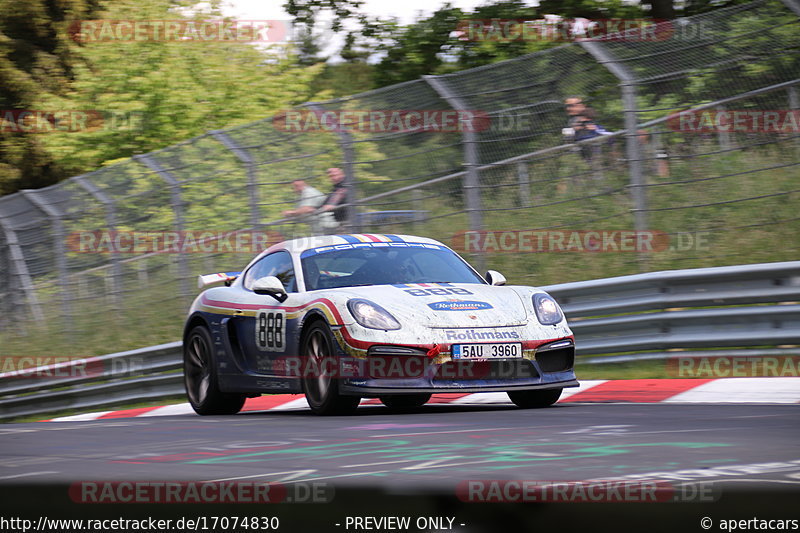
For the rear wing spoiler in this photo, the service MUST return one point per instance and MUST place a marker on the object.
(205, 280)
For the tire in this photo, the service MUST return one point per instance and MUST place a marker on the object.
(322, 388)
(528, 399)
(405, 401)
(200, 377)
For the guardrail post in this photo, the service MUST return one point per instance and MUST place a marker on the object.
(633, 149)
(177, 209)
(252, 183)
(472, 189)
(111, 221)
(348, 158)
(60, 252)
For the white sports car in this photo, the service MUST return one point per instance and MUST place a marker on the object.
(397, 317)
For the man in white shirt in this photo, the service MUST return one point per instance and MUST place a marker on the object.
(308, 202)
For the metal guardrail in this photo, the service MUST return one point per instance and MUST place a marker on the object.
(751, 310)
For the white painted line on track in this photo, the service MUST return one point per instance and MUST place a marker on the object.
(169, 410)
(296, 473)
(294, 405)
(380, 463)
(439, 432)
(483, 398)
(83, 417)
(341, 475)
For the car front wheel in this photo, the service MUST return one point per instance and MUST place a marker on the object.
(321, 383)
(528, 399)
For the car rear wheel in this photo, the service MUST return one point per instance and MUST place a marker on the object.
(200, 377)
(321, 384)
(405, 401)
(535, 398)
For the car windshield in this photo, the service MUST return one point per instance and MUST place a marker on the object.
(332, 267)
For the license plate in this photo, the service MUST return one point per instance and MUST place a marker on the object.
(487, 351)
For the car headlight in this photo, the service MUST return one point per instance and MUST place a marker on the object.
(547, 310)
(371, 315)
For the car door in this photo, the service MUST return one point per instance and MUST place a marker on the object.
(262, 330)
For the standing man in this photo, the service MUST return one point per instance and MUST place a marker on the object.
(307, 210)
(574, 107)
(338, 195)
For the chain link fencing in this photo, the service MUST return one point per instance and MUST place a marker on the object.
(660, 189)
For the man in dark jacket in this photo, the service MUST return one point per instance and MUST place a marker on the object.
(338, 195)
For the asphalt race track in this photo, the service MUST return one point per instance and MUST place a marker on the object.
(745, 458)
(437, 445)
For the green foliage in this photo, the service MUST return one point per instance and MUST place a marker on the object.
(342, 79)
(171, 91)
(36, 61)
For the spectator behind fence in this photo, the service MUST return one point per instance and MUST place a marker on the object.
(574, 106)
(337, 197)
(654, 156)
(307, 210)
(585, 127)
(579, 116)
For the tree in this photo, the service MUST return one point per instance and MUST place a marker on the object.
(36, 61)
(308, 46)
(172, 91)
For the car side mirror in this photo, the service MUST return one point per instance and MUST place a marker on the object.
(495, 278)
(272, 286)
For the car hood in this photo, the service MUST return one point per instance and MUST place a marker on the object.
(436, 306)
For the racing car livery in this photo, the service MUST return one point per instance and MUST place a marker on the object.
(397, 317)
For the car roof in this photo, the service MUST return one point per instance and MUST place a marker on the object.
(304, 243)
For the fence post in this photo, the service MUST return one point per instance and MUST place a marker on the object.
(20, 268)
(111, 221)
(524, 184)
(177, 209)
(60, 252)
(419, 216)
(252, 183)
(472, 189)
(348, 158)
(793, 5)
(633, 150)
(724, 138)
(794, 105)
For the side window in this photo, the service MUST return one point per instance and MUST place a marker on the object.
(279, 265)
